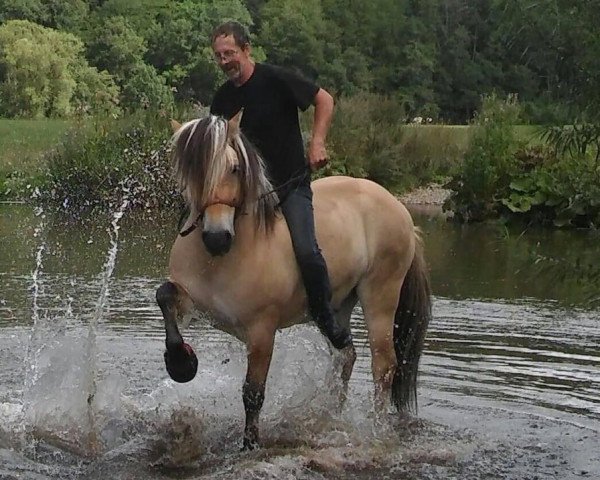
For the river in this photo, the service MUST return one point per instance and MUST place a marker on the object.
(509, 385)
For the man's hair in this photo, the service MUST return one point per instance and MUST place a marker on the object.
(239, 32)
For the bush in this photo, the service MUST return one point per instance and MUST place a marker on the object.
(489, 161)
(564, 192)
(554, 184)
(369, 138)
(103, 164)
(43, 73)
(145, 88)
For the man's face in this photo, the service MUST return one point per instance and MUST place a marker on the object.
(233, 59)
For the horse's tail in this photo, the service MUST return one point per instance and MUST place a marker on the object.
(410, 326)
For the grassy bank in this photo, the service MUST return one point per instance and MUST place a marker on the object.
(363, 142)
(23, 146)
(25, 141)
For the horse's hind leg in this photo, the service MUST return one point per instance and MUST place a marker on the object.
(348, 354)
(379, 300)
(180, 360)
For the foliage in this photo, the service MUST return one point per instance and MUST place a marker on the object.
(66, 15)
(97, 166)
(145, 88)
(179, 45)
(435, 57)
(369, 139)
(42, 73)
(562, 193)
(114, 46)
(576, 140)
(489, 162)
(296, 35)
(556, 184)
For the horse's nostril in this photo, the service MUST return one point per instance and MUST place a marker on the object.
(217, 243)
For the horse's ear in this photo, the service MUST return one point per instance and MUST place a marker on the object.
(175, 125)
(234, 124)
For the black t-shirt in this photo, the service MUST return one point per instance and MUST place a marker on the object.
(271, 98)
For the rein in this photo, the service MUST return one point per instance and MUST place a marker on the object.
(192, 227)
(298, 175)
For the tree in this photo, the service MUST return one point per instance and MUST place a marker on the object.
(116, 47)
(32, 10)
(140, 14)
(58, 14)
(146, 89)
(43, 73)
(295, 34)
(468, 57)
(179, 45)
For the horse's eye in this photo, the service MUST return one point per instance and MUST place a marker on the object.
(235, 169)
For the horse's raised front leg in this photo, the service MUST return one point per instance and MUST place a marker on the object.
(180, 359)
(260, 350)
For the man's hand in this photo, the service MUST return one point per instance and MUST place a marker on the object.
(317, 154)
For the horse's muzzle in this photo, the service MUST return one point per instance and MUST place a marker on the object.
(181, 363)
(217, 243)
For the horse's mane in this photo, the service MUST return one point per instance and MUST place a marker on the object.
(200, 159)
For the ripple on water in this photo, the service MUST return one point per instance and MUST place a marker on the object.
(500, 396)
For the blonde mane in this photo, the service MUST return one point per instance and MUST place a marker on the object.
(203, 151)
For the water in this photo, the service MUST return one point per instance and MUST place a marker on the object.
(509, 385)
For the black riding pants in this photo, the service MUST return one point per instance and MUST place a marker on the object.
(297, 208)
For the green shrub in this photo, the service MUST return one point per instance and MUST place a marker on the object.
(557, 183)
(564, 192)
(369, 138)
(109, 161)
(489, 162)
(145, 88)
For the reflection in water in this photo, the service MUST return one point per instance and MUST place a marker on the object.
(528, 353)
(519, 371)
(488, 262)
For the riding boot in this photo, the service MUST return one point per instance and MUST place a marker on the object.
(318, 291)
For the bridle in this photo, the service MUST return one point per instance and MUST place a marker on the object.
(298, 175)
(200, 216)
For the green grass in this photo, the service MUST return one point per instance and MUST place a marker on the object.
(23, 143)
(417, 152)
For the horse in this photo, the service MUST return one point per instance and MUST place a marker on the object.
(234, 261)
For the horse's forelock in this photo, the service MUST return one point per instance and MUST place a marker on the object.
(200, 160)
(215, 158)
(199, 146)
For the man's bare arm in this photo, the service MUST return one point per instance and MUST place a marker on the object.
(317, 153)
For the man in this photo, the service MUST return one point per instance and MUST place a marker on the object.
(271, 97)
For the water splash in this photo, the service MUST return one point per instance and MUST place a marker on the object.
(109, 266)
(61, 396)
(37, 290)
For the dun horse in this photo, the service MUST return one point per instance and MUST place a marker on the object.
(234, 261)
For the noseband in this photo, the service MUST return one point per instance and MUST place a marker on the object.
(198, 219)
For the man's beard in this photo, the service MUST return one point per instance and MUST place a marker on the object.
(232, 71)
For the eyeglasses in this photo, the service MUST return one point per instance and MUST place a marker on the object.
(225, 56)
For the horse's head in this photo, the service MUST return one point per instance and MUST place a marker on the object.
(221, 176)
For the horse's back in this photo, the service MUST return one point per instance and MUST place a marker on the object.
(360, 204)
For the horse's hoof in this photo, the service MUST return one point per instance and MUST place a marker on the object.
(181, 363)
(249, 445)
